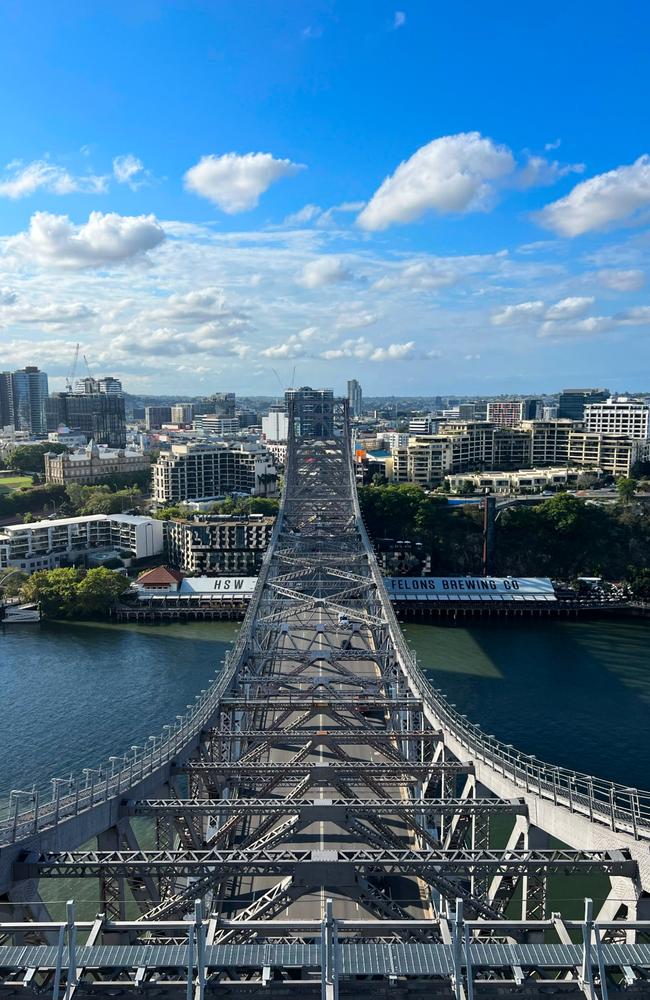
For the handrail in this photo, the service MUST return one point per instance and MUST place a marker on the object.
(621, 808)
(100, 784)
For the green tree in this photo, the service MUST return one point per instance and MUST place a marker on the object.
(639, 581)
(13, 582)
(55, 590)
(99, 590)
(626, 488)
(29, 457)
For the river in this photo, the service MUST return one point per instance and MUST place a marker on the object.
(572, 693)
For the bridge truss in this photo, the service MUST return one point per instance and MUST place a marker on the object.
(323, 822)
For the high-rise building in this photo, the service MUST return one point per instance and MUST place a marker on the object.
(100, 416)
(89, 386)
(7, 418)
(275, 426)
(313, 411)
(224, 404)
(111, 386)
(182, 413)
(506, 412)
(630, 417)
(156, 416)
(355, 398)
(29, 386)
(572, 402)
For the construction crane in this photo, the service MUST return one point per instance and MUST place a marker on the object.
(69, 382)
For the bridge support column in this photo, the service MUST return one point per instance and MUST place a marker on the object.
(111, 890)
(533, 887)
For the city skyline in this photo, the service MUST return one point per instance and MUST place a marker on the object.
(418, 199)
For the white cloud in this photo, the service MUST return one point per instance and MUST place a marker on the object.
(128, 169)
(394, 352)
(53, 314)
(540, 172)
(600, 202)
(565, 309)
(234, 183)
(8, 296)
(364, 350)
(636, 316)
(103, 240)
(169, 342)
(455, 173)
(306, 214)
(622, 281)
(197, 306)
(41, 175)
(569, 308)
(399, 19)
(327, 270)
(583, 327)
(355, 320)
(549, 146)
(515, 314)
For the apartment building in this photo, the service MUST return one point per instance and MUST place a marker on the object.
(622, 416)
(614, 454)
(549, 441)
(195, 471)
(50, 544)
(218, 544)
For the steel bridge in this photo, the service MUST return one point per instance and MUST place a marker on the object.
(323, 822)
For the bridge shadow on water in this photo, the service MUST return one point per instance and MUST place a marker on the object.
(572, 693)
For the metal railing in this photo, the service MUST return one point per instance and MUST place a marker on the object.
(623, 809)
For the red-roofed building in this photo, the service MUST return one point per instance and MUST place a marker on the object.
(162, 580)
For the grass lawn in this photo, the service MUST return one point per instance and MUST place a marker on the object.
(10, 483)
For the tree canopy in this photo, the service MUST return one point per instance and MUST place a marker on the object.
(74, 593)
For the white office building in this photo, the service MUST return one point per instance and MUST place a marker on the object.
(624, 416)
(275, 426)
(50, 544)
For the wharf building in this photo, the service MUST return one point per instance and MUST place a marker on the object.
(23, 401)
(216, 544)
(196, 471)
(45, 545)
(313, 411)
(93, 465)
(100, 416)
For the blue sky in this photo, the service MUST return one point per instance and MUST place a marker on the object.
(431, 198)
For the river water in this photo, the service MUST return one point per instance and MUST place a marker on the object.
(572, 693)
